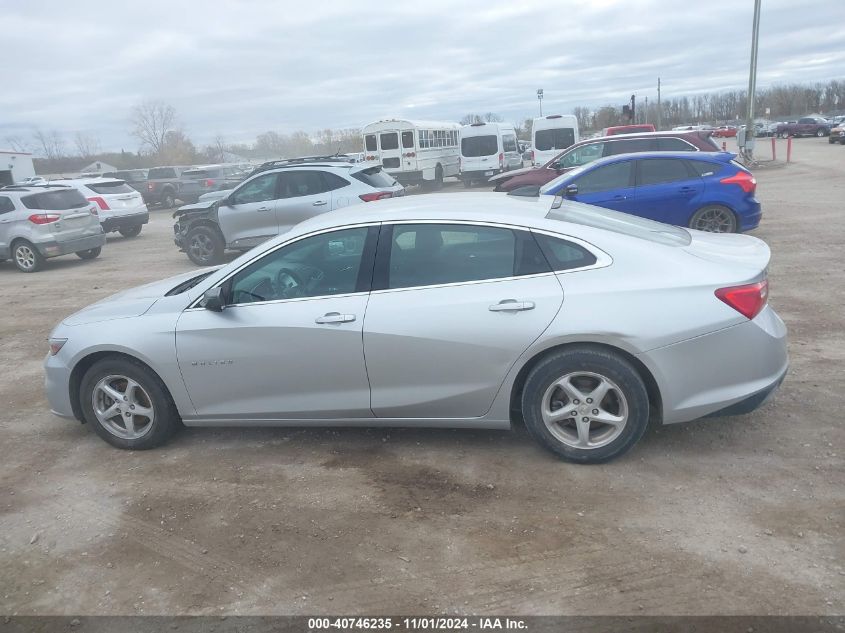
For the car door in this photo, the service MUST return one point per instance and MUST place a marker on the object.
(453, 306)
(610, 186)
(248, 216)
(7, 220)
(287, 345)
(303, 193)
(667, 190)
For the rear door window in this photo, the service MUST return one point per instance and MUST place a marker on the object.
(654, 171)
(60, 200)
(557, 138)
(629, 146)
(563, 254)
(298, 183)
(509, 143)
(6, 204)
(474, 146)
(162, 172)
(389, 140)
(673, 145)
(606, 177)
(408, 139)
(333, 181)
(370, 142)
(111, 187)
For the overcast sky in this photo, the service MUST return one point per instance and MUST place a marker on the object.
(240, 68)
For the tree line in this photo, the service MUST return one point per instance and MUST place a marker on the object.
(163, 140)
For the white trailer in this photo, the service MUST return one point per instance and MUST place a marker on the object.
(15, 167)
(414, 152)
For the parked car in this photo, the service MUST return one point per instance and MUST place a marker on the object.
(39, 222)
(32, 180)
(837, 134)
(487, 149)
(163, 186)
(195, 182)
(701, 190)
(593, 149)
(444, 310)
(725, 131)
(135, 178)
(273, 201)
(627, 129)
(120, 207)
(805, 126)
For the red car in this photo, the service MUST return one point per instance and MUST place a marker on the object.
(725, 131)
(592, 149)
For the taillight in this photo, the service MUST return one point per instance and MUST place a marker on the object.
(209, 182)
(743, 179)
(748, 300)
(44, 218)
(100, 202)
(409, 155)
(501, 159)
(371, 157)
(376, 195)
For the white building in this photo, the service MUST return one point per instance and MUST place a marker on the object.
(98, 167)
(15, 166)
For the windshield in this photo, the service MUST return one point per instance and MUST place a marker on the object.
(556, 138)
(623, 223)
(474, 146)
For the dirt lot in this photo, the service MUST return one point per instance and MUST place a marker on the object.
(734, 515)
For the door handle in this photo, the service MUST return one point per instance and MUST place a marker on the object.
(335, 317)
(511, 305)
(319, 203)
(263, 209)
(4, 221)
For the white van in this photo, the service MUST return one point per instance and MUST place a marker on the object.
(414, 152)
(552, 134)
(488, 149)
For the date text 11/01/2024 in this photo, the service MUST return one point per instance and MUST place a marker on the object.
(416, 624)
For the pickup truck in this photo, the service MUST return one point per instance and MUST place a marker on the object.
(135, 178)
(805, 126)
(163, 186)
(195, 182)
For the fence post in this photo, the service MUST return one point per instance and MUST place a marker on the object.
(724, 146)
(789, 148)
(774, 149)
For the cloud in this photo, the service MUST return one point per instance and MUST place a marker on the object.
(240, 68)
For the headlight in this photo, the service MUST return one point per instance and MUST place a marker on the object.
(56, 344)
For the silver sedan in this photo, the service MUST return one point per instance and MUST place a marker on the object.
(463, 310)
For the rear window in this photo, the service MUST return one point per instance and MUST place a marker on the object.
(557, 138)
(623, 223)
(408, 139)
(55, 200)
(370, 142)
(473, 146)
(111, 187)
(162, 172)
(668, 144)
(375, 177)
(129, 176)
(564, 255)
(390, 140)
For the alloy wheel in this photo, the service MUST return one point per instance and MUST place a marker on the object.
(584, 410)
(25, 257)
(123, 407)
(715, 220)
(201, 247)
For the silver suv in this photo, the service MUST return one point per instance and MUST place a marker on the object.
(44, 221)
(273, 199)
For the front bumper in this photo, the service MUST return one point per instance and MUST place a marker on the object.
(54, 249)
(57, 386)
(407, 177)
(125, 221)
(724, 369)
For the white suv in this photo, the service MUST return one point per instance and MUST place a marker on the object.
(46, 221)
(274, 198)
(120, 207)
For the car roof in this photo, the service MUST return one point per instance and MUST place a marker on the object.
(722, 157)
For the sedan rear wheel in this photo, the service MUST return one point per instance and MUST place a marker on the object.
(26, 257)
(586, 405)
(714, 219)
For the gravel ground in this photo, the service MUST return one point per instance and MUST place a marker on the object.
(738, 515)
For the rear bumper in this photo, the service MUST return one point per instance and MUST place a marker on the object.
(407, 177)
(125, 221)
(750, 217)
(727, 372)
(54, 249)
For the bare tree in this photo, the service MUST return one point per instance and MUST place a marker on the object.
(50, 144)
(492, 117)
(471, 118)
(151, 123)
(87, 145)
(17, 144)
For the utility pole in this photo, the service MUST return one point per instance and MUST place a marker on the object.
(748, 144)
(659, 113)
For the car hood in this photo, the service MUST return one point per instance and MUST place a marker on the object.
(215, 195)
(132, 302)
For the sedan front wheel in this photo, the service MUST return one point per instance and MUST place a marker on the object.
(586, 405)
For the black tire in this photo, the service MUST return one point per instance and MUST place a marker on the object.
(437, 183)
(586, 364)
(467, 183)
(153, 393)
(27, 258)
(132, 231)
(91, 253)
(168, 200)
(714, 218)
(204, 245)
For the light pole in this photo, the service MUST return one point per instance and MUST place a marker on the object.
(540, 99)
(659, 113)
(748, 140)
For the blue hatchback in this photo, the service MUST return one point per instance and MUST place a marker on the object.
(701, 190)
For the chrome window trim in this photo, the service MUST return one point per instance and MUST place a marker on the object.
(195, 304)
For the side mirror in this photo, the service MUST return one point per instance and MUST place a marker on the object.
(571, 190)
(213, 299)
